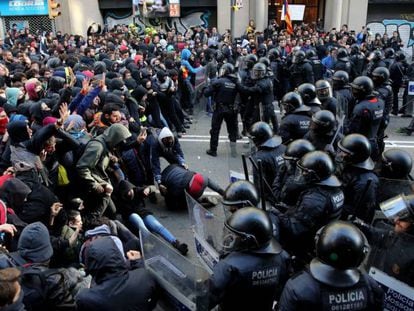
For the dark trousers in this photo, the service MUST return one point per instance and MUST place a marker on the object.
(230, 117)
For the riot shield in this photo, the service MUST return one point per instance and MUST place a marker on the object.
(389, 188)
(184, 284)
(236, 169)
(207, 226)
(391, 264)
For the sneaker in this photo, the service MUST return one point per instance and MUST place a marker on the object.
(211, 153)
(181, 247)
(186, 126)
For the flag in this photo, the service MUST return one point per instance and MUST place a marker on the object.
(288, 21)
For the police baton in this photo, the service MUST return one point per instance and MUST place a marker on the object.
(261, 179)
(246, 172)
(341, 125)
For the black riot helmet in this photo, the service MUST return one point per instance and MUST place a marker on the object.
(260, 132)
(226, 70)
(343, 55)
(317, 167)
(292, 102)
(380, 75)
(323, 122)
(299, 57)
(377, 55)
(250, 229)
(297, 149)
(340, 249)
(362, 87)
(389, 53)
(400, 56)
(311, 54)
(323, 89)
(308, 93)
(259, 71)
(220, 57)
(357, 151)
(355, 49)
(340, 79)
(240, 194)
(265, 61)
(273, 54)
(396, 163)
(250, 60)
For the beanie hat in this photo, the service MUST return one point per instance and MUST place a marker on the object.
(34, 243)
(49, 120)
(197, 185)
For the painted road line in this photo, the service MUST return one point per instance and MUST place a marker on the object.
(195, 140)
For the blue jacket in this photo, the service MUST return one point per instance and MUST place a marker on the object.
(185, 56)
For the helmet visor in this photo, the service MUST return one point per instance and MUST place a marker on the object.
(231, 241)
(396, 208)
(323, 93)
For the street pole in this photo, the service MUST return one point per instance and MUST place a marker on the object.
(232, 18)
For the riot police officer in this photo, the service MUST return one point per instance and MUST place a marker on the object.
(342, 62)
(284, 188)
(376, 59)
(278, 68)
(239, 194)
(301, 70)
(343, 93)
(322, 133)
(358, 61)
(224, 91)
(262, 94)
(389, 54)
(296, 121)
(393, 246)
(318, 204)
(380, 77)
(246, 80)
(367, 114)
(308, 93)
(256, 268)
(334, 280)
(398, 72)
(360, 183)
(316, 64)
(270, 151)
(324, 94)
(396, 164)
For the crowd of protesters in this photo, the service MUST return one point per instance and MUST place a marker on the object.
(84, 122)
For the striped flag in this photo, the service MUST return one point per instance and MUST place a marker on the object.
(288, 21)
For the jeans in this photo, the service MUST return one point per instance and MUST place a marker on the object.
(153, 225)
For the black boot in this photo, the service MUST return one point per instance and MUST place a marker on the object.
(181, 247)
(211, 153)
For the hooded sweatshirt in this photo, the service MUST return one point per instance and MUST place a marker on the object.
(115, 287)
(186, 66)
(94, 161)
(34, 243)
(173, 155)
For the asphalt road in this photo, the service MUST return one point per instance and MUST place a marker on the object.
(196, 142)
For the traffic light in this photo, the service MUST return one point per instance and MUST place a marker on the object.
(53, 9)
